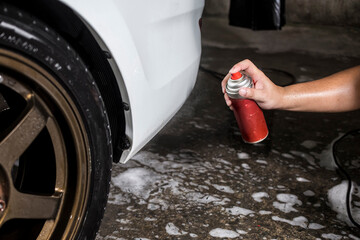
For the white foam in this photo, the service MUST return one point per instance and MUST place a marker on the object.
(301, 179)
(241, 231)
(310, 159)
(287, 202)
(110, 237)
(193, 235)
(123, 221)
(171, 229)
(223, 233)
(245, 165)
(298, 221)
(337, 202)
(160, 203)
(98, 237)
(223, 161)
(353, 237)
(153, 207)
(222, 188)
(326, 157)
(239, 211)
(201, 198)
(259, 195)
(262, 162)
(164, 166)
(287, 155)
(224, 201)
(331, 236)
(138, 181)
(263, 212)
(200, 125)
(309, 193)
(275, 151)
(309, 144)
(118, 199)
(288, 198)
(243, 155)
(315, 226)
(284, 207)
(148, 181)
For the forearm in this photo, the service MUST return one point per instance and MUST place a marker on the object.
(336, 93)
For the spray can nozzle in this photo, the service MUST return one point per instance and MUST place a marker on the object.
(238, 80)
(236, 75)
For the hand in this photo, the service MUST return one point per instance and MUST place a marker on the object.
(266, 94)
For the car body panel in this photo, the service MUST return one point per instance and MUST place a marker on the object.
(156, 50)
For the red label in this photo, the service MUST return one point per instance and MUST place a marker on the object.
(250, 119)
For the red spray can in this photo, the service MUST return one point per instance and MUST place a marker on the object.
(249, 116)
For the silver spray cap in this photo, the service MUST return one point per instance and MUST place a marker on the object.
(236, 81)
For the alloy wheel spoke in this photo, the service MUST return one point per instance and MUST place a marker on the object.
(23, 134)
(30, 206)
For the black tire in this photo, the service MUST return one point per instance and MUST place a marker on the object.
(40, 71)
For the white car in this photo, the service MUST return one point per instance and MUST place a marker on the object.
(83, 84)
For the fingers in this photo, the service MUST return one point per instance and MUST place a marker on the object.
(258, 95)
(249, 67)
(223, 85)
(243, 66)
(224, 81)
(227, 100)
(265, 93)
(249, 93)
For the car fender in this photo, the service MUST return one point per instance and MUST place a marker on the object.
(154, 78)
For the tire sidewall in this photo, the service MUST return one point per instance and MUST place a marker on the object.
(48, 49)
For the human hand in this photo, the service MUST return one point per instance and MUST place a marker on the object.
(266, 94)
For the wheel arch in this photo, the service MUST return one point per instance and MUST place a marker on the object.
(70, 26)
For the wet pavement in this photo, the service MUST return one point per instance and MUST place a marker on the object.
(197, 179)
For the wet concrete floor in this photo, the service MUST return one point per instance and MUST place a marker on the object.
(197, 179)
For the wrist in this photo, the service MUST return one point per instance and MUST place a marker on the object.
(281, 102)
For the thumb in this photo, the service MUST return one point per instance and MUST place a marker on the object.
(250, 93)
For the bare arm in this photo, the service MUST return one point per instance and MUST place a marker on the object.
(336, 93)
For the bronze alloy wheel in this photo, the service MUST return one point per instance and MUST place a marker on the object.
(55, 142)
(34, 154)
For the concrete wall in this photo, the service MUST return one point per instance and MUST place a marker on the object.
(216, 8)
(325, 12)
